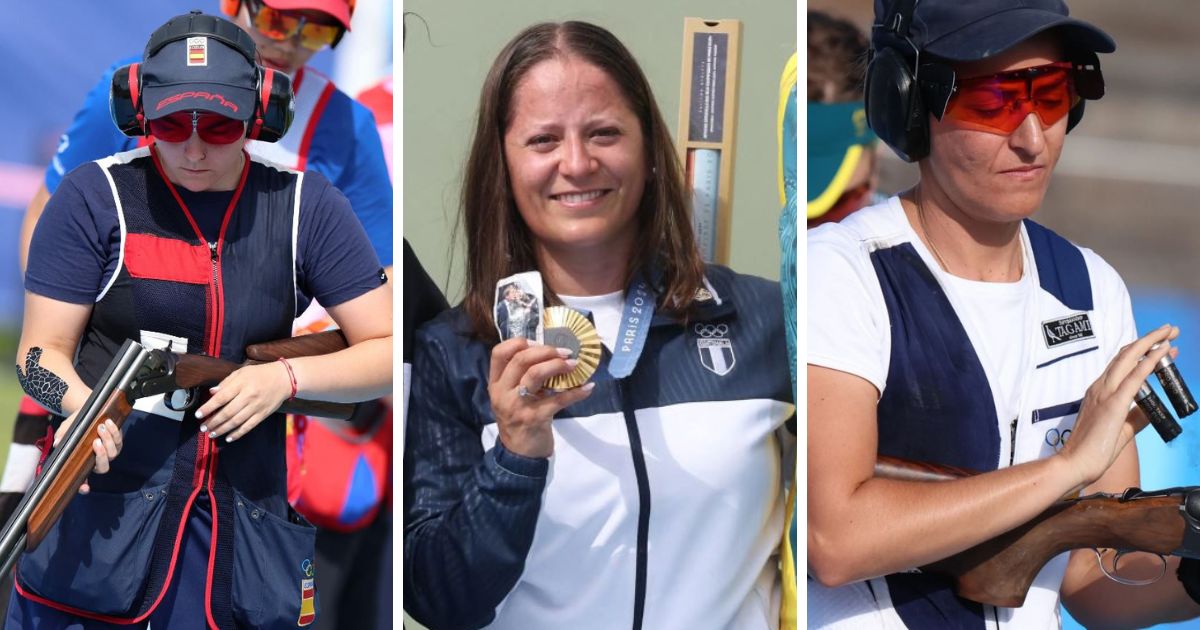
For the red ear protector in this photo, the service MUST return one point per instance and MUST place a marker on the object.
(273, 106)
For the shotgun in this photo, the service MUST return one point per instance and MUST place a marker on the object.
(136, 372)
(999, 571)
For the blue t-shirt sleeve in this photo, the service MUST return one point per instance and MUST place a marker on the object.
(334, 256)
(92, 134)
(361, 171)
(70, 256)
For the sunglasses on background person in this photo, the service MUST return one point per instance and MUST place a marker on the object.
(213, 129)
(999, 103)
(284, 25)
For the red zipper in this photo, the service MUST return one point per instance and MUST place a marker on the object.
(212, 545)
(206, 452)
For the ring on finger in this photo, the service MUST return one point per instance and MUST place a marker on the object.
(525, 392)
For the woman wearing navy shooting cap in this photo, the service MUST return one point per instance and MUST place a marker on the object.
(190, 243)
(931, 320)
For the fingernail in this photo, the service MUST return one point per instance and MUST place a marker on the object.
(199, 414)
(564, 352)
(204, 428)
(212, 436)
(213, 390)
(229, 439)
(572, 362)
(590, 386)
(97, 442)
(102, 429)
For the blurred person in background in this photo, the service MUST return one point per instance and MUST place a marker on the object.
(336, 136)
(919, 305)
(378, 98)
(652, 496)
(192, 243)
(843, 168)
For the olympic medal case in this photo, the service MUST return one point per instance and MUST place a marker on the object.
(708, 127)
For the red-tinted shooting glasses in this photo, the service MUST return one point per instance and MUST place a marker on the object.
(999, 103)
(213, 129)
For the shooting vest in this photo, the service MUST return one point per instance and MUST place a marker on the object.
(937, 405)
(111, 556)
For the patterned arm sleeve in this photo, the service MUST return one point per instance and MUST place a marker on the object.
(469, 514)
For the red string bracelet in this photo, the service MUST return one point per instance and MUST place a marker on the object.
(291, 376)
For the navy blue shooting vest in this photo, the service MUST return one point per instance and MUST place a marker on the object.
(937, 404)
(111, 555)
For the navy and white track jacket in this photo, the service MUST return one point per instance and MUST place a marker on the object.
(660, 508)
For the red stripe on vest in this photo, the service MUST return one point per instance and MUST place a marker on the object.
(156, 258)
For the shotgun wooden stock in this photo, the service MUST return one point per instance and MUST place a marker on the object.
(78, 466)
(191, 370)
(315, 344)
(1000, 571)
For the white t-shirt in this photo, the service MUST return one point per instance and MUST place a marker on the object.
(1034, 375)
(994, 306)
(605, 310)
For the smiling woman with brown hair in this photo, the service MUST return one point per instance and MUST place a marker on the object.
(651, 496)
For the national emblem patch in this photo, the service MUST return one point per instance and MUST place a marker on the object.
(197, 51)
(716, 348)
(308, 593)
(308, 609)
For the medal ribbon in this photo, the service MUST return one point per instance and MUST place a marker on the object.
(635, 326)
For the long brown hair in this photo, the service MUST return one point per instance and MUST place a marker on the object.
(499, 243)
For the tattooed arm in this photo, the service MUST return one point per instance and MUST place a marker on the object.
(48, 339)
(49, 335)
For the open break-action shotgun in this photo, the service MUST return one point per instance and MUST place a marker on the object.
(137, 372)
(1000, 571)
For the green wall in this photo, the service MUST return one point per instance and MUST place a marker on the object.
(441, 89)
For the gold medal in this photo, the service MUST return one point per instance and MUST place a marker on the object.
(568, 328)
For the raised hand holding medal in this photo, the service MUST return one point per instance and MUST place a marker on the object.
(530, 381)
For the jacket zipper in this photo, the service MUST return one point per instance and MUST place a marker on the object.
(643, 486)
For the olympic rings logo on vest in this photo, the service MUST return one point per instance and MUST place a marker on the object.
(1056, 439)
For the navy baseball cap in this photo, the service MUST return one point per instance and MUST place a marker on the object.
(968, 30)
(199, 62)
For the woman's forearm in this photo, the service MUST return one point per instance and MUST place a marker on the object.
(361, 372)
(48, 377)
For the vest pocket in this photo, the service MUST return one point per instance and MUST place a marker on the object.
(97, 556)
(273, 572)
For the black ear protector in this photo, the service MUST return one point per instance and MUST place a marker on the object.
(273, 103)
(1089, 84)
(900, 100)
(895, 108)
